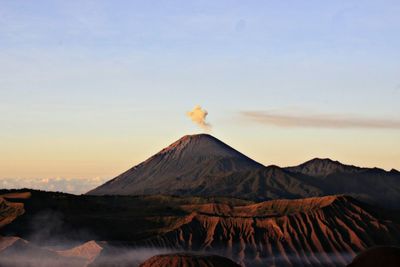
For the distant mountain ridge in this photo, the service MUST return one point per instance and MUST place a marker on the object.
(323, 167)
(205, 166)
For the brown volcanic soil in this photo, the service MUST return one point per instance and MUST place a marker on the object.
(188, 260)
(316, 231)
(263, 209)
(9, 211)
(377, 257)
(87, 251)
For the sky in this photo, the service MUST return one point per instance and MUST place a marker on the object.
(90, 88)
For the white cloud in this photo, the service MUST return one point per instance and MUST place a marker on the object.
(68, 185)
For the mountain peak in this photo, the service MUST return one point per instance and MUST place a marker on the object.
(323, 167)
(185, 164)
(191, 140)
(200, 145)
(198, 136)
(322, 160)
(324, 163)
(192, 137)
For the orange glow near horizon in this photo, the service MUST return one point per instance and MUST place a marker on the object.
(107, 158)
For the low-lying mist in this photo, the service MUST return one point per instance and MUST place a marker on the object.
(25, 254)
(54, 242)
(99, 254)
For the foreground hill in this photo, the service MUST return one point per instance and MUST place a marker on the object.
(378, 256)
(319, 231)
(203, 165)
(50, 217)
(186, 260)
(326, 231)
(17, 252)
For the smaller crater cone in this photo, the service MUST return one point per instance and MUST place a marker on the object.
(188, 259)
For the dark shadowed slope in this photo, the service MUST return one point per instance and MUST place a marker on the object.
(261, 184)
(323, 167)
(320, 231)
(9, 211)
(378, 256)
(187, 260)
(84, 218)
(373, 185)
(184, 166)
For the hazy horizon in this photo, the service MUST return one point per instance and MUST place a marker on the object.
(91, 88)
(81, 185)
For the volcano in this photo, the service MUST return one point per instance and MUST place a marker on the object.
(202, 165)
(185, 166)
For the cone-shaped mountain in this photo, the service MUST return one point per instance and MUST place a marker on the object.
(187, 163)
(203, 165)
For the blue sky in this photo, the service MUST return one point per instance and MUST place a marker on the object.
(88, 88)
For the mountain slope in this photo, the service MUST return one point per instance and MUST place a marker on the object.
(378, 256)
(261, 184)
(9, 211)
(186, 260)
(184, 165)
(327, 231)
(372, 185)
(17, 252)
(202, 165)
(323, 167)
(319, 231)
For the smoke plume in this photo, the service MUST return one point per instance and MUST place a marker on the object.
(198, 116)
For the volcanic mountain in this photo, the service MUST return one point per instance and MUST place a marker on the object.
(186, 166)
(202, 165)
